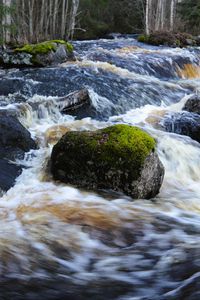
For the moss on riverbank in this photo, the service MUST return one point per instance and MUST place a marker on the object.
(167, 38)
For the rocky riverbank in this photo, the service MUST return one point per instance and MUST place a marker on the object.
(167, 38)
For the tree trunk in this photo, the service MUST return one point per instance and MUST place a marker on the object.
(172, 14)
(55, 12)
(30, 13)
(72, 23)
(6, 22)
(147, 29)
(65, 6)
(42, 17)
(159, 15)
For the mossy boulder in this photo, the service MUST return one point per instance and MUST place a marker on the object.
(37, 55)
(48, 52)
(120, 157)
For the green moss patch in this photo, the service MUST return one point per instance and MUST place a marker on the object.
(117, 147)
(44, 48)
(143, 38)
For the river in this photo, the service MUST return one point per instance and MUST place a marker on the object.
(59, 242)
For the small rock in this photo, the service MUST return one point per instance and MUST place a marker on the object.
(74, 100)
(76, 103)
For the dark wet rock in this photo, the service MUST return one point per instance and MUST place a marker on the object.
(15, 140)
(183, 123)
(13, 134)
(193, 104)
(9, 172)
(37, 55)
(120, 158)
(75, 103)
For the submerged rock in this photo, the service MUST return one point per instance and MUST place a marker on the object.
(15, 140)
(37, 55)
(120, 157)
(183, 123)
(193, 104)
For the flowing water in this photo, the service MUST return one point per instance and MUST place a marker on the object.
(59, 242)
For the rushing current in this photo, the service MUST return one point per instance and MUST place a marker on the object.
(59, 242)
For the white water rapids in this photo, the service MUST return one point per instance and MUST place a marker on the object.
(59, 242)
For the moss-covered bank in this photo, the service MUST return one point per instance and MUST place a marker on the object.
(171, 39)
(110, 158)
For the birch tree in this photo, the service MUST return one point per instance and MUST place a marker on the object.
(6, 21)
(172, 14)
(148, 6)
(73, 13)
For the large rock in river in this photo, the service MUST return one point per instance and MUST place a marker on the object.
(120, 157)
(15, 140)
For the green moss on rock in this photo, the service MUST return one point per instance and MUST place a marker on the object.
(143, 38)
(119, 141)
(130, 144)
(44, 48)
(69, 47)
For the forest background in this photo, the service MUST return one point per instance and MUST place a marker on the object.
(23, 21)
